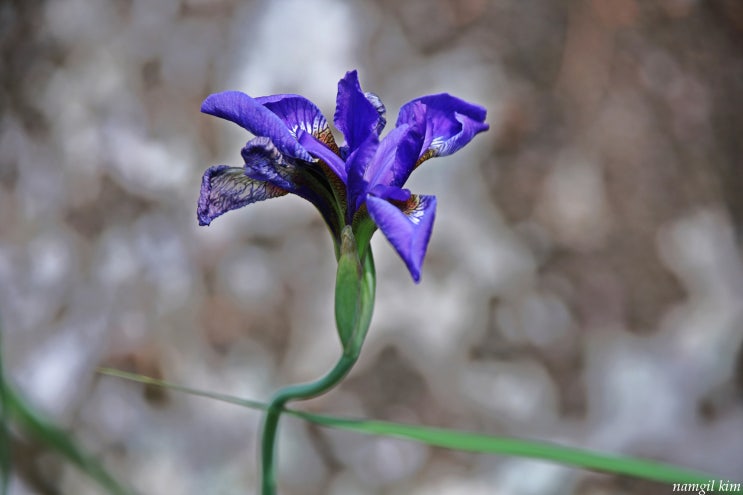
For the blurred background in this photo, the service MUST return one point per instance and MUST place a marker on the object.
(583, 283)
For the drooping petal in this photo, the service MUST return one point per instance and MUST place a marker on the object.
(321, 151)
(355, 116)
(264, 162)
(298, 112)
(408, 229)
(248, 113)
(225, 188)
(450, 123)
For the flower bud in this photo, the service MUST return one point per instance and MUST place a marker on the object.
(348, 283)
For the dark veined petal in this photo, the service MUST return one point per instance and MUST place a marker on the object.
(226, 188)
(299, 113)
(266, 163)
(408, 228)
(248, 113)
(355, 116)
(450, 123)
(321, 151)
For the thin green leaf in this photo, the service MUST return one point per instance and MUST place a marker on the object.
(251, 404)
(58, 440)
(5, 463)
(486, 444)
(471, 442)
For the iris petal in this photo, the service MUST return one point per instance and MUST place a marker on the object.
(355, 166)
(396, 157)
(381, 110)
(264, 162)
(391, 193)
(248, 113)
(226, 188)
(387, 163)
(321, 151)
(299, 113)
(355, 116)
(450, 123)
(408, 229)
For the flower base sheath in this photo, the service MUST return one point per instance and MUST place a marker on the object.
(359, 184)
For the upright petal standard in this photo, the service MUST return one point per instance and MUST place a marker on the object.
(359, 183)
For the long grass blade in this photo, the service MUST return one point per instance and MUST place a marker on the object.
(251, 404)
(58, 440)
(470, 442)
(487, 444)
(4, 431)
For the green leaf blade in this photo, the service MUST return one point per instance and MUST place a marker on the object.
(472, 442)
(58, 440)
(486, 444)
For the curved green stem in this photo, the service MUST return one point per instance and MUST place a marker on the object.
(294, 392)
(365, 285)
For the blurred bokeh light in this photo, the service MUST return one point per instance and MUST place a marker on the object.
(583, 283)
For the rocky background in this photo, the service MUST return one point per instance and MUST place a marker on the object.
(583, 283)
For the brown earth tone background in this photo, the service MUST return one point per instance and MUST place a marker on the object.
(583, 284)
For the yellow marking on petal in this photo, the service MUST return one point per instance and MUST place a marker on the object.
(430, 153)
(339, 188)
(326, 137)
(413, 209)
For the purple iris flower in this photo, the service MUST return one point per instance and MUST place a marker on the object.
(358, 184)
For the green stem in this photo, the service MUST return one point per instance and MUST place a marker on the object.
(294, 392)
(352, 348)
